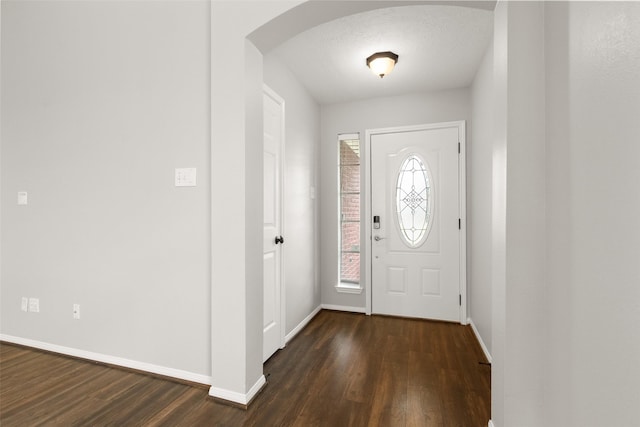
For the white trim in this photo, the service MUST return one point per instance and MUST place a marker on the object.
(111, 360)
(273, 95)
(485, 350)
(344, 308)
(345, 136)
(365, 155)
(491, 423)
(462, 211)
(346, 288)
(302, 324)
(234, 396)
(462, 189)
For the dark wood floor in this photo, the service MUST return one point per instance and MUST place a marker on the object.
(341, 370)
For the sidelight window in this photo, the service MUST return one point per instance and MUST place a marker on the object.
(349, 206)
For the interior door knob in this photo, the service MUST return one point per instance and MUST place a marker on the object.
(378, 238)
(279, 239)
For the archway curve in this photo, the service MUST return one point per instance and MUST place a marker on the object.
(312, 13)
(241, 32)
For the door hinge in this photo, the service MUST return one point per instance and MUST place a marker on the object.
(460, 299)
(458, 147)
(459, 224)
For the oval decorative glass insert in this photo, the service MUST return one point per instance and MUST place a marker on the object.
(413, 201)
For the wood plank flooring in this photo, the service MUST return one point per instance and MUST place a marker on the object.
(343, 369)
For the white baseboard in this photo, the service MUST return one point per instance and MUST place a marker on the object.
(111, 360)
(302, 324)
(491, 423)
(344, 308)
(233, 396)
(482, 345)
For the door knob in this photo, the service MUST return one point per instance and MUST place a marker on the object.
(279, 239)
(378, 238)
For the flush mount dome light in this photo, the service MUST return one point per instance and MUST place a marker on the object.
(381, 63)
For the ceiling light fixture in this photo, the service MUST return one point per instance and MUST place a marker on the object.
(381, 63)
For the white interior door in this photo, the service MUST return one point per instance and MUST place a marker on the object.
(416, 221)
(272, 236)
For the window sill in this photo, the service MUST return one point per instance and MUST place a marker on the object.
(348, 288)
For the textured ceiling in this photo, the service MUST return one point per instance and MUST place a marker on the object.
(439, 47)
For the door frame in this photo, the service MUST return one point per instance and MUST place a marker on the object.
(462, 205)
(266, 90)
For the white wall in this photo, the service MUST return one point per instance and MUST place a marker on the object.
(566, 354)
(251, 337)
(100, 102)
(559, 217)
(357, 117)
(594, 161)
(479, 198)
(236, 177)
(302, 134)
(519, 220)
(498, 215)
(604, 71)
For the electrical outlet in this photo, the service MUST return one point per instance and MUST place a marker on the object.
(76, 311)
(25, 304)
(34, 305)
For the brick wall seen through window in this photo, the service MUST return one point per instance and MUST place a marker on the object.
(350, 210)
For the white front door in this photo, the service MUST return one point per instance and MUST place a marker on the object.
(416, 246)
(273, 337)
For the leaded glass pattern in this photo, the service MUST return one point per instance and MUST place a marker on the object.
(413, 201)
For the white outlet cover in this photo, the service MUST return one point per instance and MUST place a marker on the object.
(185, 177)
(22, 198)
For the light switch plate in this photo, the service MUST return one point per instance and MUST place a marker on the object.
(22, 197)
(185, 177)
(25, 304)
(76, 311)
(34, 305)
